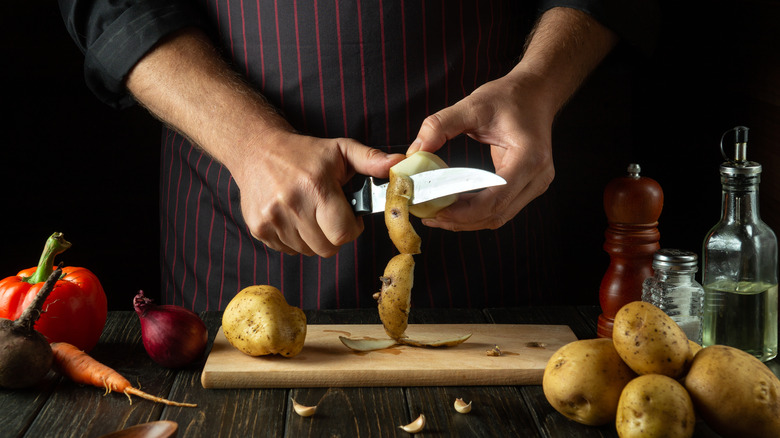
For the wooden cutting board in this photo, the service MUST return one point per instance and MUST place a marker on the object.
(326, 362)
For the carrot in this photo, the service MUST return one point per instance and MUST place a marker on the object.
(82, 368)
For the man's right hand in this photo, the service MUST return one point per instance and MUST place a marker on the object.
(291, 191)
(291, 184)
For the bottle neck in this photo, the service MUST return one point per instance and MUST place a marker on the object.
(739, 201)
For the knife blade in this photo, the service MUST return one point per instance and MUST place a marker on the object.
(428, 185)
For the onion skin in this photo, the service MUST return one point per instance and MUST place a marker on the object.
(173, 336)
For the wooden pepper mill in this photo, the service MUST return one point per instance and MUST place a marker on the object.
(633, 205)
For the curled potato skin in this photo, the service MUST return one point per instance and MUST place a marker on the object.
(394, 300)
(400, 229)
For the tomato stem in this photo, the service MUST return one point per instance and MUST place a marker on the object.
(55, 244)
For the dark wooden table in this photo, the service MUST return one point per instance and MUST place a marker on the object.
(60, 408)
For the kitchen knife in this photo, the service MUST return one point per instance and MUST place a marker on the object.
(428, 185)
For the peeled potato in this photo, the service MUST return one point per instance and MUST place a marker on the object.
(422, 161)
(649, 341)
(394, 299)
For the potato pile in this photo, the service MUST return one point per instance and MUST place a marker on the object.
(653, 382)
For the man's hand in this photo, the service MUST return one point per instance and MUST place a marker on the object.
(291, 184)
(291, 191)
(514, 115)
(506, 115)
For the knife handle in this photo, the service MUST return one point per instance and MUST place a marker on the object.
(361, 200)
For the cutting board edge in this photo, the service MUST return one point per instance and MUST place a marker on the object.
(213, 380)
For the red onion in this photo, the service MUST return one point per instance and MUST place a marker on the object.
(172, 335)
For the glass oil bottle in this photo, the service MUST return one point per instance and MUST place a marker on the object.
(739, 258)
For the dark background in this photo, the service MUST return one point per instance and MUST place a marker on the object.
(71, 164)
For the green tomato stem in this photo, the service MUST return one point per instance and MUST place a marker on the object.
(55, 245)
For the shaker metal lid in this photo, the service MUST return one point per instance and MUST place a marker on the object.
(675, 259)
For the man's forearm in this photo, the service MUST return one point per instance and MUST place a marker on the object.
(563, 49)
(185, 83)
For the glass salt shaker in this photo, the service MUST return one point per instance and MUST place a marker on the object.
(674, 290)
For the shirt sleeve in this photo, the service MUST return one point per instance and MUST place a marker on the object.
(635, 22)
(115, 34)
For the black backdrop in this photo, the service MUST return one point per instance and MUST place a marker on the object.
(71, 164)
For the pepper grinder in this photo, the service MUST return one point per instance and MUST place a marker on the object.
(633, 205)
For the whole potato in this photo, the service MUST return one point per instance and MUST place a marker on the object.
(694, 349)
(258, 321)
(654, 405)
(649, 341)
(735, 393)
(583, 381)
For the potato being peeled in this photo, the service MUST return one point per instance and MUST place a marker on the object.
(583, 381)
(655, 406)
(258, 321)
(735, 393)
(422, 161)
(649, 340)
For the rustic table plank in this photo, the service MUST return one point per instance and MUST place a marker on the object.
(348, 412)
(497, 411)
(19, 407)
(550, 422)
(90, 413)
(223, 413)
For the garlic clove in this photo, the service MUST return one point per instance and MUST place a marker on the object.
(461, 406)
(303, 411)
(415, 426)
(495, 351)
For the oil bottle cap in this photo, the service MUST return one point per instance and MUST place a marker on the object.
(738, 164)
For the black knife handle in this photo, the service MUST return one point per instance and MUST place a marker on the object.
(361, 200)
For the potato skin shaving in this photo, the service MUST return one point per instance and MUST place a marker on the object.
(400, 229)
(395, 298)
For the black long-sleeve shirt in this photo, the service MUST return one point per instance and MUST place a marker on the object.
(370, 70)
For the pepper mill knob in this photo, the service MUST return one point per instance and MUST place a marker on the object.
(633, 204)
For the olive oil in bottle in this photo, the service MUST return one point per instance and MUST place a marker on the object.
(739, 273)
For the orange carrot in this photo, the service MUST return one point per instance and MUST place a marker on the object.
(82, 368)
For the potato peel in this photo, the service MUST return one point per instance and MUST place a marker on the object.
(367, 344)
(434, 343)
(372, 344)
(400, 229)
(395, 298)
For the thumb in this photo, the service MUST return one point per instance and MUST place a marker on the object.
(439, 127)
(367, 160)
